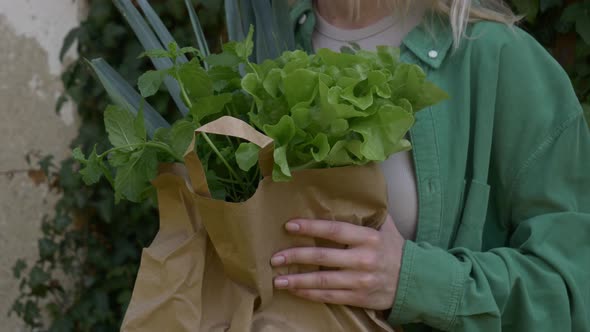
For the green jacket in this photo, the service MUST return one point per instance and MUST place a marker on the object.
(503, 171)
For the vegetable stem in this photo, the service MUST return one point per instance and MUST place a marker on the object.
(205, 136)
(187, 101)
(220, 156)
(227, 180)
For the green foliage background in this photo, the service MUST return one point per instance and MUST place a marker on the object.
(97, 244)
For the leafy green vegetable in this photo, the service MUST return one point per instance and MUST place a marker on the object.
(247, 156)
(133, 156)
(322, 110)
(124, 131)
(383, 132)
(149, 83)
(333, 109)
(92, 173)
(181, 135)
(210, 105)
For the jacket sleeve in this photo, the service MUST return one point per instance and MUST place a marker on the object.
(540, 281)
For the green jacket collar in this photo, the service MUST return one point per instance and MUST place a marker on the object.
(430, 41)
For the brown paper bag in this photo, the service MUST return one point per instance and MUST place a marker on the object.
(208, 269)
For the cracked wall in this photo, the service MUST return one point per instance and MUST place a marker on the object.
(31, 35)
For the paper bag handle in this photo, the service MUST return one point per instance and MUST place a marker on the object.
(228, 126)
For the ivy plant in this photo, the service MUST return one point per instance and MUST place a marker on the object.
(563, 27)
(90, 248)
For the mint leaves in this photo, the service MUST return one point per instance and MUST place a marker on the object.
(133, 159)
(322, 110)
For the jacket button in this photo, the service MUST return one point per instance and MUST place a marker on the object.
(433, 54)
(303, 19)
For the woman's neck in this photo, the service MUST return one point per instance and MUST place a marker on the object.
(339, 13)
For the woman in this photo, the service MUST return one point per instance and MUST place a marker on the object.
(490, 211)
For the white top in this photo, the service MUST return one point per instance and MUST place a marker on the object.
(398, 169)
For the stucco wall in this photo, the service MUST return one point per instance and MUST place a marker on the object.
(31, 35)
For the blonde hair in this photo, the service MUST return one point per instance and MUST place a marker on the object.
(459, 12)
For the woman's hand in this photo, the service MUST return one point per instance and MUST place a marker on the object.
(368, 269)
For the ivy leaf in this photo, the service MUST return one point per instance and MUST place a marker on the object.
(62, 222)
(69, 40)
(46, 248)
(62, 324)
(37, 277)
(32, 313)
(18, 268)
(210, 105)
(247, 156)
(150, 82)
(120, 126)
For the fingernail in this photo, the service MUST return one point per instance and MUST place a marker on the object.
(292, 227)
(277, 260)
(281, 283)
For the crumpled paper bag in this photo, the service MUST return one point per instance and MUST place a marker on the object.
(208, 267)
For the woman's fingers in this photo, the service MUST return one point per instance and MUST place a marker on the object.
(328, 280)
(368, 270)
(340, 232)
(349, 259)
